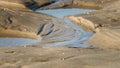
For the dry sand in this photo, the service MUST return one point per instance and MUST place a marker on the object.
(58, 57)
(105, 52)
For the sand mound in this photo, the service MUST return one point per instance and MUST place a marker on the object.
(84, 23)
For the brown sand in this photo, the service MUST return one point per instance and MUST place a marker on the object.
(105, 23)
(18, 34)
(104, 54)
(58, 57)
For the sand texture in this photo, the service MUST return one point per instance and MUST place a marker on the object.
(17, 16)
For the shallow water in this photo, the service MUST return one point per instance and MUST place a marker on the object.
(59, 13)
(78, 37)
(67, 34)
(17, 41)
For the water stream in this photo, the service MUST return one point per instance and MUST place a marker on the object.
(60, 13)
(68, 34)
(17, 41)
(80, 36)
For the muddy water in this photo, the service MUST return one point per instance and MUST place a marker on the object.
(63, 33)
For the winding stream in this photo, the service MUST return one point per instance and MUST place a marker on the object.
(74, 35)
(63, 33)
